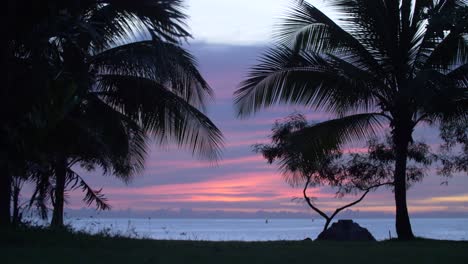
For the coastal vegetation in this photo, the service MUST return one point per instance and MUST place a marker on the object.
(352, 173)
(394, 64)
(45, 246)
(90, 84)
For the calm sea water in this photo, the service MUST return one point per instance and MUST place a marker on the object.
(259, 229)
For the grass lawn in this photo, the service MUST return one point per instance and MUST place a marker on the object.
(41, 246)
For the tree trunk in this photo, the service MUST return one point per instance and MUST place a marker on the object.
(16, 209)
(5, 197)
(402, 221)
(60, 179)
(327, 224)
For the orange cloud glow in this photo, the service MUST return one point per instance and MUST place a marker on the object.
(253, 187)
(463, 198)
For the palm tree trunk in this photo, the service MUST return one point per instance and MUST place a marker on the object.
(60, 179)
(16, 210)
(403, 224)
(5, 197)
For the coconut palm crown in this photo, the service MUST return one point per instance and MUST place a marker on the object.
(114, 73)
(128, 57)
(394, 62)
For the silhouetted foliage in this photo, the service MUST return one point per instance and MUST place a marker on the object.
(394, 62)
(349, 173)
(454, 150)
(101, 77)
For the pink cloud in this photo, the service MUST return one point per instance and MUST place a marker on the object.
(233, 188)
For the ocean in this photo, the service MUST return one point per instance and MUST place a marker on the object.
(259, 229)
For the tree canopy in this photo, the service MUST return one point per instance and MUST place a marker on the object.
(396, 63)
(102, 79)
(351, 173)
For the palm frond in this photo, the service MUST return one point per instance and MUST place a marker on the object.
(164, 18)
(91, 195)
(317, 140)
(307, 28)
(451, 52)
(430, 15)
(163, 62)
(375, 24)
(311, 79)
(460, 75)
(113, 21)
(118, 145)
(167, 116)
(42, 194)
(445, 31)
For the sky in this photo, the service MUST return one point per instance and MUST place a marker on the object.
(229, 35)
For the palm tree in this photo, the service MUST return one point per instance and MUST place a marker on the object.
(124, 57)
(400, 62)
(22, 93)
(136, 67)
(104, 139)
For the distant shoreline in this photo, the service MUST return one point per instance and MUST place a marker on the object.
(193, 214)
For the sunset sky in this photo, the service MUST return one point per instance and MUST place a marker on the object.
(229, 35)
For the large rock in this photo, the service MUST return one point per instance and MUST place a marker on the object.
(346, 230)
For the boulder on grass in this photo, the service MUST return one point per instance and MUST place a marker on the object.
(346, 230)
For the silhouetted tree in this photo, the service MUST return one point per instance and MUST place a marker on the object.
(23, 89)
(135, 66)
(454, 150)
(386, 64)
(352, 173)
(104, 65)
(104, 140)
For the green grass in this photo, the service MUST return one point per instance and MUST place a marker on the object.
(43, 246)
